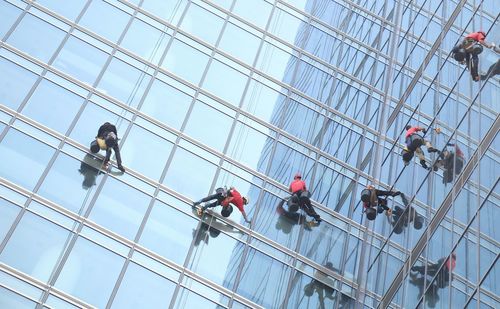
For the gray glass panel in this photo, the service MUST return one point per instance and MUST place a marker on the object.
(120, 208)
(35, 246)
(141, 288)
(167, 229)
(105, 20)
(90, 273)
(36, 37)
(80, 60)
(53, 106)
(15, 82)
(17, 162)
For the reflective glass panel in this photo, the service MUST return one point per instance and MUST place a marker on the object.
(8, 15)
(17, 162)
(185, 61)
(202, 23)
(15, 82)
(225, 82)
(8, 213)
(90, 273)
(35, 246)
(9, 299)
(36, 37)
(67, 9)
(141, 288)
(145, 41)
(105, 20)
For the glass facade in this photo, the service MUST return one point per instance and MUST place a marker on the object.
(207, 93)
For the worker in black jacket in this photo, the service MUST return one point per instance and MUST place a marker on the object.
(107, 139)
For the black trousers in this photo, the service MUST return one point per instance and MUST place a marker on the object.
(306, 205)
(219, 197)
(117, 154)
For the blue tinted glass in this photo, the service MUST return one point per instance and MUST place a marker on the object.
(53, 106)
(248, 146)
(202, 23)
(8, 15)
(239, 43)
(142, 288)
(262, 279)
(168, 228)
(146, 152)
(185, 61)
(208, 125)
(15, 82)
(166, 104)
(214, 258)
(189, 299)
(120, 208)
(36, 37)
(124, 82)
(8, 212)
(256, 11)
(81, 60)
(91, 119)
(170, 11)
(68, 181)
(90, 273)
(17, 162)
(189, 174)
(145, 41)
(35, 246)
(9, 299)
(234, 82)
(69, 9)
(105, 20)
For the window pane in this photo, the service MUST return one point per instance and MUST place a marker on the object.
(145, 41)
(208, 125)
(17, 162)
(256, 11)
(124, 82)
(53, 106)
(15, 82)
(36, 37)
(170, 11)
(69, 9)
(168, 228)
(90, 273)
(68, 181)
(233, 84)
(142, 288)
(250, 147)
(239, 43)
(166, 104)
(146, 152)
(189, 299)
(8, 15)
(185, 61)
(105, 20)
(8, 213)
(10, 299)
(120, 208)
(35, 246)
(81, 60)
(200, 173)
(202, 23)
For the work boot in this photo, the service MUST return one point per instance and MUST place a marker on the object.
(432, 149)
(424, 164)
(396, 193)
(121, 168)
(317, 218)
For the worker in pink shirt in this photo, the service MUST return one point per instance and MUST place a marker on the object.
(469, 49)
(413, 142)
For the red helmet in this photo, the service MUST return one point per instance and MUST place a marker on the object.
(297, 176)
(482, 32)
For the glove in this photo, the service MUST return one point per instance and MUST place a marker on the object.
(424, 131)
(121, 168)
(424, 164)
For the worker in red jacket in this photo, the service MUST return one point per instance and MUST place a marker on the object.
(470, 47)
(232, 196)
(414, 141)
(301, 195)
